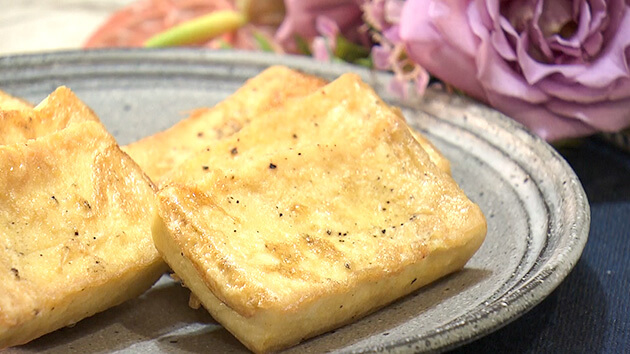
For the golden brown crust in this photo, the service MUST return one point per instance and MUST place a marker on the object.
(57, 111)
(159, 153)
(10, 103)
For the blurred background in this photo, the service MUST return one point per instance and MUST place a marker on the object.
(28, 26)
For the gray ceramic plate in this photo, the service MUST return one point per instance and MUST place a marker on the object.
(537, 212)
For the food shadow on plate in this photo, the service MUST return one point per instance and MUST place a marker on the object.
(158, 313)
(161, 321)
(384, 322)
(381, 322)
(207, 339)
(203, 336)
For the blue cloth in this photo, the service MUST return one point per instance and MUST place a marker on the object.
(590, 311)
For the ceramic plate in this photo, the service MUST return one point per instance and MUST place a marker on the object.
(538, 215)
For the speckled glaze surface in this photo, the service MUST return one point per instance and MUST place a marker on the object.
(538, 215)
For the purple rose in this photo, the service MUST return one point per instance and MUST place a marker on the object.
(560, 67)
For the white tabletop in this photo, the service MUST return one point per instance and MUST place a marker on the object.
(28, 26)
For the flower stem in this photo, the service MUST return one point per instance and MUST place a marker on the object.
(198, 29)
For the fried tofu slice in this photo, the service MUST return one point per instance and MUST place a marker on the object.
(75, 222)
(434, 154)
(158, 154)
(313, 216)
(57, 111)
(11, 103)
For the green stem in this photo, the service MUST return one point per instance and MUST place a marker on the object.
(198, 29)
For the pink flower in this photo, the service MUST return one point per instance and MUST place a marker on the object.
(560, 67)
(389, 52)
(302, 17)
(327, 24)
(324, 45)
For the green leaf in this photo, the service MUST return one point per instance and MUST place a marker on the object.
(349, 51)
(225, 45)
(367, 62)
(302, 45)
(262, 42)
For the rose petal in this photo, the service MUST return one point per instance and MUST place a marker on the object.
(320, 49)
(381, 57)
(599, 18)
(613, 61)
(558, 87)
(392, 34)
(534, 71)
(421, 81)
(608, 116)
(573, 46)
(393, 10)
(398, 88)
(593, 44)
(614, 11)
(541, 121)
(519, 12)
(374, 14)
(301, 16)
(495, 74)
(538, 34)
(326, 27)
(449, 58)
(449, 19)
(449, 65)
(502, 45)
(551, 16)
(490, 12)
(503, 34)
(609, 66)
